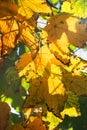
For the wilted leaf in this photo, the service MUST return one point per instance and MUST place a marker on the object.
(4, 115)
(28, 7)
(67, 29)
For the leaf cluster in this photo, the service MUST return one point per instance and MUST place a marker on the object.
(39, 75)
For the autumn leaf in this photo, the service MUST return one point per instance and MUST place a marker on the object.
(78, 8)
(72, 106)
(37, 66)
(52, 119)
(9, 33)
(72, 83)
(71, 112)
(30, 38)
(54, 101)
(4, 115)
(22, 63)
(59, 52)
(66, 28)
(8, 8)
(28, 7)
(36, 124)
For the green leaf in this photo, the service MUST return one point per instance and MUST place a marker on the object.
(72, 48)
(54, 1)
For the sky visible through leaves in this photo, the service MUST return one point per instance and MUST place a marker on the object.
(43, 64)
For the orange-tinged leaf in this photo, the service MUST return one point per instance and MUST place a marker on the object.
(36, 124)
(28, 7)
(8, 8)
(30, 38)
(66, 28)
(9, 34)
(4, 115)
(23, 61)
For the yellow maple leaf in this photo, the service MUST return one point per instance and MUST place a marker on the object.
(34, 68)
(28, 7)
(30, 38)
(60, 54)
(67, 29)
(9, 34)
(54, 95)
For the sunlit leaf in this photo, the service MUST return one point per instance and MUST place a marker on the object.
(52, 119)
(66, 7)
(78, 8)
(67, 29)
(54, 101)
(30, 38)
(28, 7)
(10, 32)
(72, 112)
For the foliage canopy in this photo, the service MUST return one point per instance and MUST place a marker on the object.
(39, 74)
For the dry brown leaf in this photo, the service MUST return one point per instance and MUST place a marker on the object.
(67, 29)
(4, 115)
(36, 124)
(75, 83)
(8, 8)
